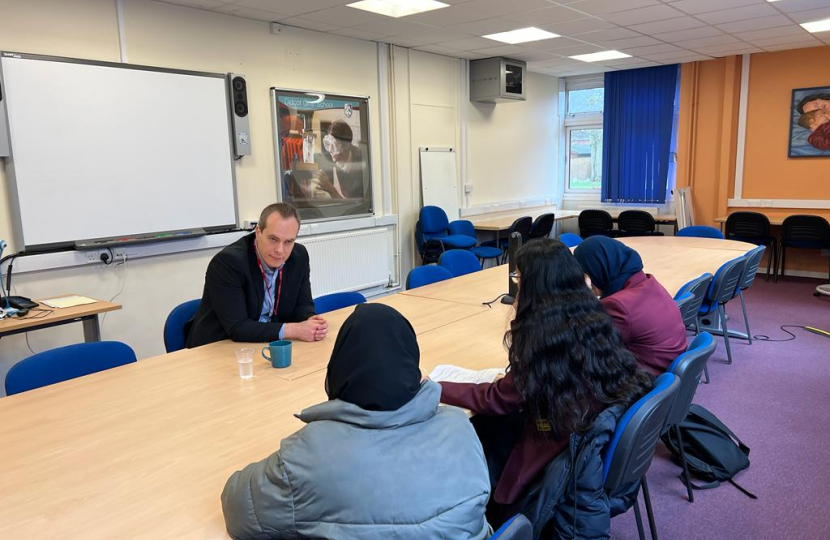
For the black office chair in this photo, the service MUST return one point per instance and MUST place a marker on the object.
(637, 223)
(596, 222)
(806, 232)
(753, 227)
(629, 453)
(688, 368)
(542, 226)
(521, 226)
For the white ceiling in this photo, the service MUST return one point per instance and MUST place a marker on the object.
(652, 31)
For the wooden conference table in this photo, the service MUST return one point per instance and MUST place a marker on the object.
(45, 317)
(144, 450)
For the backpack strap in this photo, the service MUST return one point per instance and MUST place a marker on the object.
(713, 421)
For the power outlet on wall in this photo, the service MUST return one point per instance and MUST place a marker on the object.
(93, 256)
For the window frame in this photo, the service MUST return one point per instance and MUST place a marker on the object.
(568, 129)
(583, 120)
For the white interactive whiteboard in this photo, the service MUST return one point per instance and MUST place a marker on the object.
(104, 150)
(439, 184)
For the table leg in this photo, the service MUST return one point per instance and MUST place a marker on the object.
(92, 329)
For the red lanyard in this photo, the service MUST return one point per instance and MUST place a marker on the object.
(268, 285)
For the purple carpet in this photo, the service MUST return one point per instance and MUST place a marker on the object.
(776, 398)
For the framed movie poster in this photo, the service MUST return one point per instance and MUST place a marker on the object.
(810, 122)
(322, 152)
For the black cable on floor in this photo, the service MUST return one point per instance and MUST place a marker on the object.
(762, 337)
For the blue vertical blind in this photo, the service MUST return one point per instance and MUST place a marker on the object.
(637, 125)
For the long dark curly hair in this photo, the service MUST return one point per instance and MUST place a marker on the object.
(566, 357)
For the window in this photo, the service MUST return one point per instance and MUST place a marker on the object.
(584, 101)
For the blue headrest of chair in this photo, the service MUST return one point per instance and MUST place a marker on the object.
(174, 335)
(334, 301)
(433, 220)
(570, 239)
(701, 341)
(424, 275)
(462, 227)
(700, 231)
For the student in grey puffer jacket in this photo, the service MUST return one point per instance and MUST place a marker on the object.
(379, 461)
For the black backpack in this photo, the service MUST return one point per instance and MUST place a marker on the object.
(713, 453)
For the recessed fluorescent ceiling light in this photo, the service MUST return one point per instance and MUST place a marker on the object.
(601, 56)
(398, 8)
(522, 35)
(817, 26)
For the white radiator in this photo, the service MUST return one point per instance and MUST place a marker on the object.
(350, 261)
(618, 208)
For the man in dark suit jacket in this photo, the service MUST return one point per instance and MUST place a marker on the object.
(245, 280)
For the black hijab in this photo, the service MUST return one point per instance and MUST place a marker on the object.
(374, 364)
(608, 263)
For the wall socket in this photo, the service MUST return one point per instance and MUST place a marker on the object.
(93, 256)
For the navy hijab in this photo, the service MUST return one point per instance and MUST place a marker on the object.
(374, 364)
(608, 263)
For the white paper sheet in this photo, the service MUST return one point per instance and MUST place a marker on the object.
(450, 373)
(68, 301)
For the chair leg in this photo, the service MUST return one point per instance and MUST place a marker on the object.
(649, 512)
(746, 319)
(722, 313)
(639, 518)
(686, 478)
(783, 259)
(770, 256)
(706, 373)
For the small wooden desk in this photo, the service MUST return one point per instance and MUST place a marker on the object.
(87, 314)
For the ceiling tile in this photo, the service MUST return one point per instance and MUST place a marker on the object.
(470, 55)
(755, 24)
(713, 41)
(584, 48)
(343, 16)
(667, 56)
(653, 49)
(529, 55)
(623, 61)
(791, 6)
(638, 65)
(580, 26)
(789, 46)
(300, 22)
(692, 33)
(792, 30)
(501, 50)
(668, 25)
(555, 44)
(557, 62)
(358, 34)
(604, 7)
(255, 14)
(805, 40)
(643, 15)
(436, 35)
(200, 4)
(402, 41)
(726, 50)
(290, 7)
(486, 26)
(738, 14)
(493, 8)
(548, 15)
(693, 7)
(608, 35)
(811, 15)
(620, 44)
(437, 49)
(456, 14)
(469, 44)
(393, 27)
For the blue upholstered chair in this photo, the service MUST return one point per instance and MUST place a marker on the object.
(331, 302)
(753, 261)
(432, 234)
(64, 363)
(174, 334)
(700, 231)
(424, 275)
(725, 286)
(690, 308)
(688, 367)
(570, 239)
(628, 456)
(459, 262)
(464, 227)
(516, 528)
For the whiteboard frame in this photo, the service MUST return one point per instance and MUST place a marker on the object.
(17, 221)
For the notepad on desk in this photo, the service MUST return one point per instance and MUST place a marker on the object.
(68, 301)
(450, 373)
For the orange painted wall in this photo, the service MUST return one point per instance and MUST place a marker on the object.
(707, 138)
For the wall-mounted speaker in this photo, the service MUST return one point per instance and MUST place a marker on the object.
(238, 91)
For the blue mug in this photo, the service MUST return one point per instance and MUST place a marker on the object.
(279, 353)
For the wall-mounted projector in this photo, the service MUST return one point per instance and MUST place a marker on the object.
(496, 80)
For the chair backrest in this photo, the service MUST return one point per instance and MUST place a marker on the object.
(331, 302)
(462, 227)
(697, 288)
(424, 275)
(516, 528)
(747, 226)
(595, 222)
(542, 226)
(459, 262)
(700, 231)
(628, 456)
(64, 363)
(688, 368)
(684, 303)
(805, 228)
(570, 239)
(727, 281)
(174, 334)
(753, 261)
(434, 222)
(521, 226)
(636, 221)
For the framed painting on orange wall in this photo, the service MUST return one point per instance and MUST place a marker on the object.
(810, 122)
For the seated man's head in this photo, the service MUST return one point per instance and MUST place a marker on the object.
(276, 233)
(813, 119)
(374, 364)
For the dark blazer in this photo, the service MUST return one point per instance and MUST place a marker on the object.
(234, 292)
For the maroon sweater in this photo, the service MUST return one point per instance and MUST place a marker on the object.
(649, 322)
(820, 138)
(531, 454)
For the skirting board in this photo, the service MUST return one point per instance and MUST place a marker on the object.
(815, 204)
